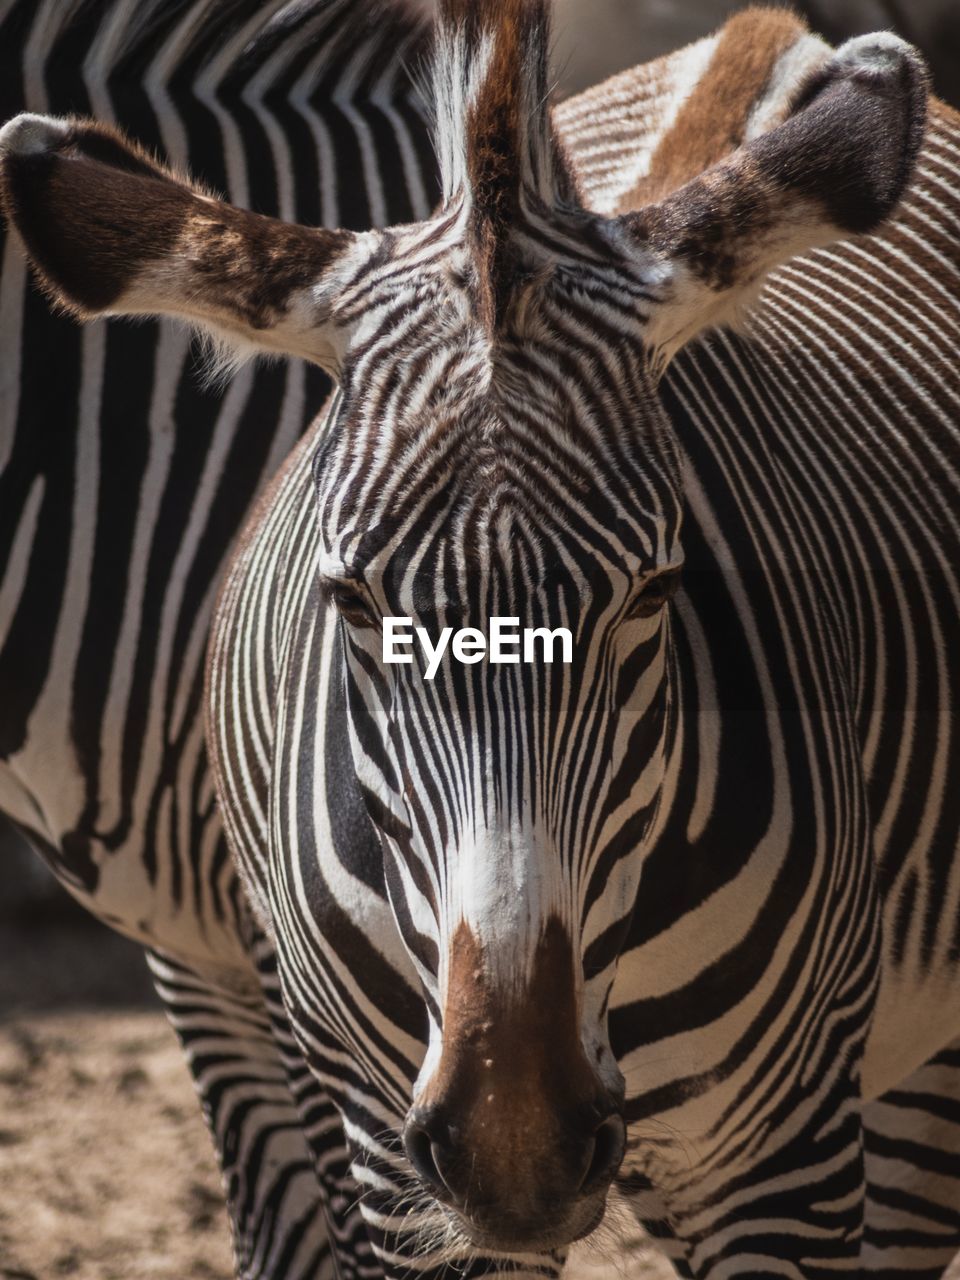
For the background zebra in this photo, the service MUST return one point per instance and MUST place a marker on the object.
(597, 40)
(650, 108)
(123, 480)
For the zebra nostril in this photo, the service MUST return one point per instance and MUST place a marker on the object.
(608, 1144)
(426, 1156)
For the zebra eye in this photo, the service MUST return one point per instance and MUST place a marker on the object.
(654, 594)
(352, 605)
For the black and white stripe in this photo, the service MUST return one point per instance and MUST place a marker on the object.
(736, 810)
(124, 478)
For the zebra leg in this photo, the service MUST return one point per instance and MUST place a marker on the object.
(912, 1137)
(322, 1126)
(274, 1198)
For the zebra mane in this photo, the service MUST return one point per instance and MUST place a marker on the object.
(493, 129)
(492, 126)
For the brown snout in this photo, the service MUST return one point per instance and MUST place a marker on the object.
(515, 1131)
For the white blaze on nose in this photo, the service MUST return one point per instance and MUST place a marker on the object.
(506, 886)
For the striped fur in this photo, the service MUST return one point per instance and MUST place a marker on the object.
(761, 974)
(721, 808)
(123, 480)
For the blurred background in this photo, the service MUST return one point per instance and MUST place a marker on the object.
(79, 1024)
(598, 37)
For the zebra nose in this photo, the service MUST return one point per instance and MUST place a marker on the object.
(430, 1147)
(605, 1154)
(585, 1163)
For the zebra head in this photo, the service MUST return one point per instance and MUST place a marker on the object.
(498, 451)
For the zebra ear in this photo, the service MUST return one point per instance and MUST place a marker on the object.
(111, 232)
(836, 167)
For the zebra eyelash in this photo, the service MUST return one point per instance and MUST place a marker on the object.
(351, 601)
(654, 594)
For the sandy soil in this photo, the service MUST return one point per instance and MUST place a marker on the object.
(106, 1170)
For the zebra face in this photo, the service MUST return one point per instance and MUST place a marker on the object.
(512, 799)
(499, 451)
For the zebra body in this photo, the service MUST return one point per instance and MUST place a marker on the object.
(792, 949)
(107, 584)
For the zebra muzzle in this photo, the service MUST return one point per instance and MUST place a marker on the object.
(515, 1131)
(553, 1196)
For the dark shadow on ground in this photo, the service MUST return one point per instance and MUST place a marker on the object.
(54, 956)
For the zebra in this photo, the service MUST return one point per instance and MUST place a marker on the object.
(651, 919)
(124, 478)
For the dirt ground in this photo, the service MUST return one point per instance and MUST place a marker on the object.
(106, 1170)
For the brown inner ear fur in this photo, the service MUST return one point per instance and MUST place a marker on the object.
(97, 214)
(712, 121)
(91, 213)
(836, 166)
